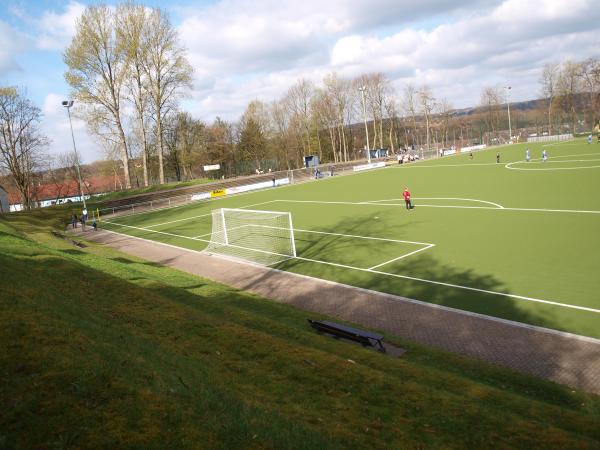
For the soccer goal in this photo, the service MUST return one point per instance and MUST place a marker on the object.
(263, 237)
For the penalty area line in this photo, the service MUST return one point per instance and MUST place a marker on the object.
(378, 272)
(456, 286)
(401, 257)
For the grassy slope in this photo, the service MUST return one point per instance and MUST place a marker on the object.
(103, 350)
(544, 255)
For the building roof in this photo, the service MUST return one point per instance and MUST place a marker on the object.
(93, 185)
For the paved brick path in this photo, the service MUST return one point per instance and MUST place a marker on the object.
(561, 357)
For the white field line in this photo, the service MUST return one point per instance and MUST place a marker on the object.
(256, 204)
(228, 229)
(384, 294)
(439, 198)
(509, 165)
(190, 218)
(178, 220)
(580, 211)
(567, 142)
(450, 165)
(158, 232)
(401, 257)
(549, 169)
(365, 237)
(406, 277)
(341, 234)
(457, 286)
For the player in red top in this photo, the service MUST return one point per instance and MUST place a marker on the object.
(406, 195)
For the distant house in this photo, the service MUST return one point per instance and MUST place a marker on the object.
(67, 192)
(4, 207)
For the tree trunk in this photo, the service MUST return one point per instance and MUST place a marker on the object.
(159, 141)
(124, 154)
(344, 143)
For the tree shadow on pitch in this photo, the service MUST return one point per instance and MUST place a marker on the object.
(540, 354)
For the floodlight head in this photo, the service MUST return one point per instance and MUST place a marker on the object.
(67, 103)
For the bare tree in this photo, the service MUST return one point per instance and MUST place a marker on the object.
(426, 103)
(167, 70)
(491, 100)
(298, 102)
(70, 162)
(97, 70)
(131, 20)
(410, 106)
(548, 81)
(590, 76)
(21, 143)
(568, 86)
(445, 109)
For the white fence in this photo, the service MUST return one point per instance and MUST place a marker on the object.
(554, 137)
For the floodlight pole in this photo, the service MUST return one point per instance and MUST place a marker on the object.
(67, 104)
(362, 93)
(508, 88)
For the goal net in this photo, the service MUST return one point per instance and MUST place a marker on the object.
(263, 237)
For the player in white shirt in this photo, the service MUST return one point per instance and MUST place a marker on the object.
(527, 155)
(544, 155)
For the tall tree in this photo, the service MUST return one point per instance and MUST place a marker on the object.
(590, 76)
(97, 70)
(21, 143)
(168, 71)
(568, 86)
(131, 22)
(548, 81)
(427, 103)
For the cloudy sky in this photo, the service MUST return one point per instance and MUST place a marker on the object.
(256, 49)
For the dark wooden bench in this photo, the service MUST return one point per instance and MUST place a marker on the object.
(337, 330)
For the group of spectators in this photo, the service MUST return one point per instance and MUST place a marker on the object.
(404, 156)
(83, 220)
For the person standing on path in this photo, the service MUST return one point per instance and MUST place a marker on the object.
(406, 195)
(74, 220)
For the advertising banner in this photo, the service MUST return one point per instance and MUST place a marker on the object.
(368, 166)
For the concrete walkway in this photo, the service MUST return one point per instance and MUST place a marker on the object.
(560, 357)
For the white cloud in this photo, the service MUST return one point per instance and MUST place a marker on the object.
(12, 43)
(243, 50)
(55, 126)
(55, 30)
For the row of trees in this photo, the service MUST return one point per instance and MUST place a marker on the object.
(128, 73)
(572, 91)
(128, 70)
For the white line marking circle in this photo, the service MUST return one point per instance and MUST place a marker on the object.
(533, 169)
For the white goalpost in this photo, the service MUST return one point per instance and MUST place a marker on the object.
(263, 237)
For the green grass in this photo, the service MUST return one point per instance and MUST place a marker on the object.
(536, 256)
(103, 350)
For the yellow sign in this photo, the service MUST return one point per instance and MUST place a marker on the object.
(217, 193)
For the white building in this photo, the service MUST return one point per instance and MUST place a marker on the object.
(4, 207)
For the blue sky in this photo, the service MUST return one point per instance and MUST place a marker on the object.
(256, 49)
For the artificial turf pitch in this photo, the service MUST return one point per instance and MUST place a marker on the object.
(514, 240)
